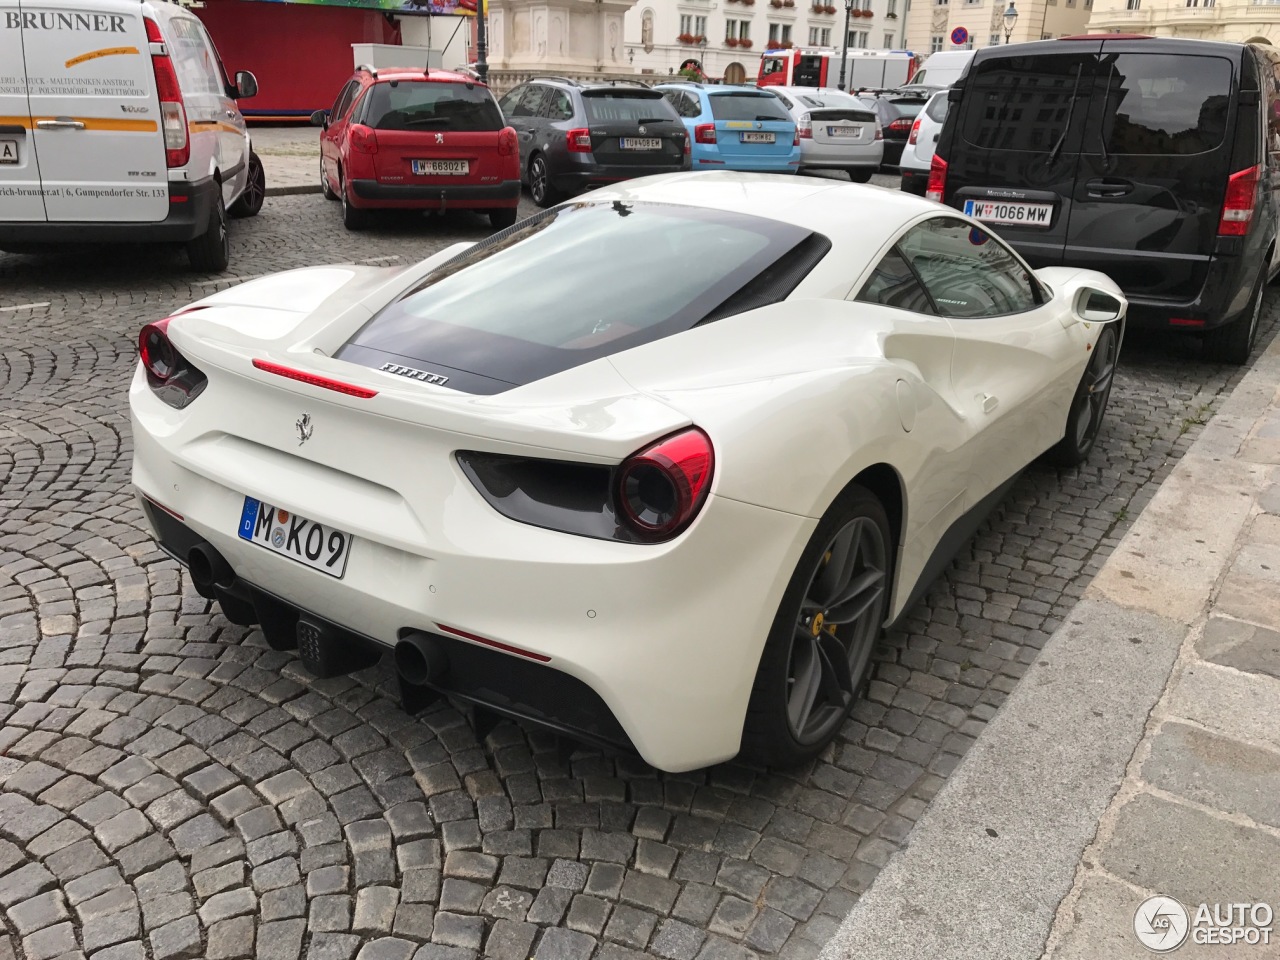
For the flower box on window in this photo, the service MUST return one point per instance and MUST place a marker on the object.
(828, 9)
(745, 43)
(685, 38)
(730, 41)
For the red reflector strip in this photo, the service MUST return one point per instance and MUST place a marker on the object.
(350, 389)
(160, 506)
(179, 199)
(1185, 322)
(506, 648)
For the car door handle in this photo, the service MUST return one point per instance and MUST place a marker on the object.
(1104, 187)
(989, 403)
(62, 123)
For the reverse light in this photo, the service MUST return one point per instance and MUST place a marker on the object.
(173, 115)
(915, 132)
(363, 139)
(578, 140)
(705, 133)
(170, 375)
(1238, 204)
(661, 488)
(937, 179)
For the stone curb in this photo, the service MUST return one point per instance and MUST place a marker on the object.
(986, 867)
(294, 190)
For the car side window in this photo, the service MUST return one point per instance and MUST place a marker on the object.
(530, 103)
(693, 105)
(344, 100)
(893, 284)
(507, 103)
(558, 106)
(968, 273)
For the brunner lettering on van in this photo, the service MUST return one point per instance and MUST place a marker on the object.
(91, 22)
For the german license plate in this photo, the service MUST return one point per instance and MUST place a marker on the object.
(641, 143)
(759, 137)
(455, 168)
(311, 544)
(846, 133)
(998, 211)
(8, 151)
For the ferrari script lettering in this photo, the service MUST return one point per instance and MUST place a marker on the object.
(413, 374)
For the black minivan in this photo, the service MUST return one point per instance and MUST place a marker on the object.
(1153, 160)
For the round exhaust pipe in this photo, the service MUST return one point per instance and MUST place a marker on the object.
(209, 570)
(420, 659)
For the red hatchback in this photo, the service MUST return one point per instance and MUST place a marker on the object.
(401, 139)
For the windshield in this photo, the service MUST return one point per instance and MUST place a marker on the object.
(427, 105)
(637, 106)
(747, 106)
(576, 283)
(832, 100)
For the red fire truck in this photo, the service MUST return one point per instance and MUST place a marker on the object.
(820, 67)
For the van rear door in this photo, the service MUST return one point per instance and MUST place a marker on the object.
(95, 113)
(1013, 146)
(19, 174)
(1154, 168)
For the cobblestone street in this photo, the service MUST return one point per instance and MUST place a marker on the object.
(172, 788)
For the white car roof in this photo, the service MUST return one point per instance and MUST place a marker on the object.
(849, 213)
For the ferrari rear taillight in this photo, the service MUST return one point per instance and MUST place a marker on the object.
(315, 380)
(1238, 204)
(937, 179)
(578, 140)
(661, 488)
(705, 133)
(804, 128)
(507, 145)
(173, 116)
(363, 139)
(915, 132)
(170, 375)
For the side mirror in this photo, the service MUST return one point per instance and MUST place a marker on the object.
(320, 119)
(246, 85)
(1095, 306)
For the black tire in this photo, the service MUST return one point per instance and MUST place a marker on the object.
(541, 188)
(352, 217)
(860, 174)
(326, 190)
(786, 723)
(211, 251)
(503, 218)
(1233, 342)
(255, 190)
(1089, 405)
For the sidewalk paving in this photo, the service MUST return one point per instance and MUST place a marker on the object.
(1141, 754)
(290, 158)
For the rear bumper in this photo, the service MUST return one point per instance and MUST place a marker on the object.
(371, 193)
(914, 181)
(189, 207)
(749, 164)
(893, 151)
(840, 156)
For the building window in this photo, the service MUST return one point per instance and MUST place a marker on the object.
(892, 8)
(888, 41)
(1133, 4)
(994, 40)
(935, 43)
(695, 26)
(773, 33)
(824, 37)
(782, 32)
(735, 29)
(813, 36)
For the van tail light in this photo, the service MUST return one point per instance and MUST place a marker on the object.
(507, 142)
(705, 133)
(173, 115)
(915, 132)
(937, 179)
(661, 488)
(1238, 204)
(804, 129)
(363, 139)
(170, 375)
(578, 140)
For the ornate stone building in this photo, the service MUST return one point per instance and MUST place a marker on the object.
(930, 23)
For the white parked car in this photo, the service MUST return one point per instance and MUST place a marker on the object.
(837, 131)
(122, 127)
(917, 155)
(654, 466)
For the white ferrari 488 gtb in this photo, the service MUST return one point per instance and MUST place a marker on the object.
(653, 467)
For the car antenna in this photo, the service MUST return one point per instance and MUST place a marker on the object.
(426, 67)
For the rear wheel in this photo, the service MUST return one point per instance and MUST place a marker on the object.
(501, 219)
(325, 189)
(1084, 421)
(1234, 342)
(255, 190)
(816, 657)
(211, 251)
(352, 217)
(860, 174)
(540, 187)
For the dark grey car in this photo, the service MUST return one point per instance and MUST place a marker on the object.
(574, 136)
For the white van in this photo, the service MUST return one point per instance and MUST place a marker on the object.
(123, 126)
(940, 69)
